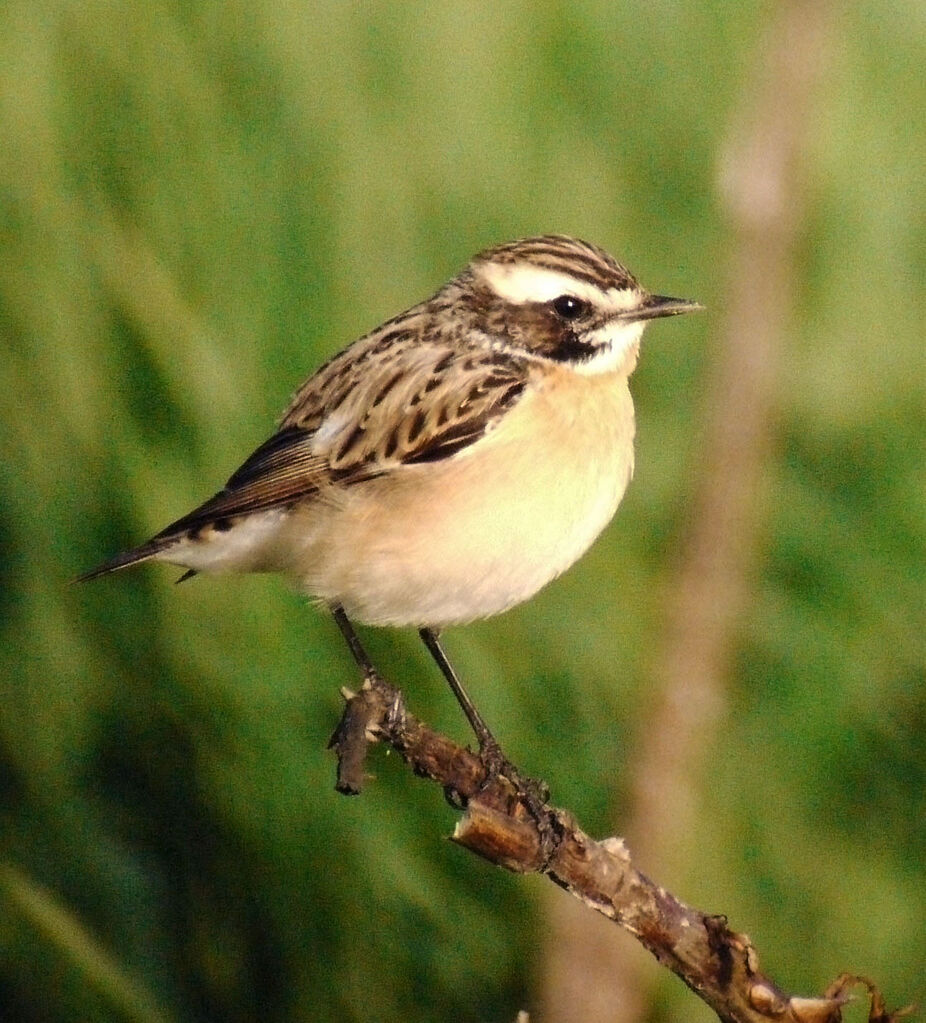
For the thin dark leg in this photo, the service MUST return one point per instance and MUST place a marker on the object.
(534, 793)
(356, 647)
(483, 735)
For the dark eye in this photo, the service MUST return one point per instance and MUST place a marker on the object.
(568, 307)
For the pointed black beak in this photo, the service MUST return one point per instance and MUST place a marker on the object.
(654, 306)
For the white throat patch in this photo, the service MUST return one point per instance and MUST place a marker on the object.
(616, 347)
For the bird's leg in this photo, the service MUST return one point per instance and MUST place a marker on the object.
(351, 737)
(370, 674)
(533, 791)
(487, 742)
(356, 647)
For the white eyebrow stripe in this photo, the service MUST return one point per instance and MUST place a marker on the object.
(520, 283)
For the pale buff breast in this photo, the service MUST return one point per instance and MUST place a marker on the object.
(448, 542)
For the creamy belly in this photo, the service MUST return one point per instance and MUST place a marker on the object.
(448, 542)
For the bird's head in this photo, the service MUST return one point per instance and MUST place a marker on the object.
(562, 300)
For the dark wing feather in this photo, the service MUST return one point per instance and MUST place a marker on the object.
(411, 404)
(419, 405)
(282, 470)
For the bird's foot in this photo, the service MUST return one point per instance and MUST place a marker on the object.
(352, 737)
(533, 791)
(532, 794)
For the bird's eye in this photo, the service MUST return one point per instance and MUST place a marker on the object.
(568, 307)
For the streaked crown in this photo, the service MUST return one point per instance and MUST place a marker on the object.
(559, 254)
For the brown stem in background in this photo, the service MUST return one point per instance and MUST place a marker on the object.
(720, 966)
(761, 189)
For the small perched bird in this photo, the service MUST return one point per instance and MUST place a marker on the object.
(450, 463)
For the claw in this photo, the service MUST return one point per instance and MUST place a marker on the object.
(532, 793)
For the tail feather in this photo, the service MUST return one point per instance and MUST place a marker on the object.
(131, 557)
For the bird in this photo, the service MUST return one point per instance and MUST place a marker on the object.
(449, 464)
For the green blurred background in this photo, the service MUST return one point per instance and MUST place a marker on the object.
(199, 202)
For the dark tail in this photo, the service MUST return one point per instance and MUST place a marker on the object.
(123, 560)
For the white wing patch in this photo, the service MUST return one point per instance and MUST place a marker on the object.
(333, 424)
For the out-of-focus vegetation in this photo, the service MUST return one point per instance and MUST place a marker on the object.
(198, 203)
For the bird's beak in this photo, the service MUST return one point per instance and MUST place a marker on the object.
(654, 306)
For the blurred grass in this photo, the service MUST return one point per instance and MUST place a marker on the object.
(198, 203)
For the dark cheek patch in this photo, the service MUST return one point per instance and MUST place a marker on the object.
(570, 349)
(540, 330)
(535, 328)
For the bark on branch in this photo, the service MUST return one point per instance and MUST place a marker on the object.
(718, 964)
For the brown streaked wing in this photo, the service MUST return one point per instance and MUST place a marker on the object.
(482, 406)
(366, 360)
(283, 469)
(421, 405)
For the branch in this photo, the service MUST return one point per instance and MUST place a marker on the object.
(708, 594)
(718, 964)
